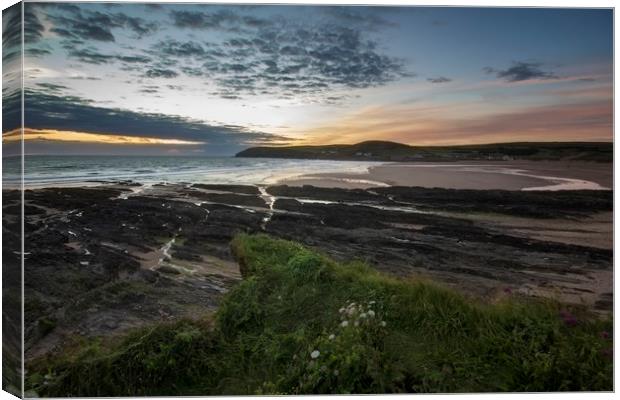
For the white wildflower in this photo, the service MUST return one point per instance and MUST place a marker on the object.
(341, 310)
(383, 323)
(315, 354)
(344, 324)
(332, 337)
(363, 315)
(371, 313)
(372, 302)
(336, 372)
(357, 323)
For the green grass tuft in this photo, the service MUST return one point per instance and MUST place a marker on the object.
(302, 323)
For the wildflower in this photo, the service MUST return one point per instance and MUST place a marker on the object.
(604, 335)
(344, 324)
(383, 323)
(372, 302)
(341, 310)
(568, 318)
(363, 315)
(336, 372)
(315, 354)
(323, 368)
(356, 323)
(371, 313)
(607, 353)
(332, 337)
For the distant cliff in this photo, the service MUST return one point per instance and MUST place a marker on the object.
(391, 151)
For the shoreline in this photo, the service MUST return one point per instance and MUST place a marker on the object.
(476, 175)
(509, 175)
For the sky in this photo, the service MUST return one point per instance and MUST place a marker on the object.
(214, 79)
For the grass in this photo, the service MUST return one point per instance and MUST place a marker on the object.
(302, 323)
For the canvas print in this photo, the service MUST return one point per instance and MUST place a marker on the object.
(226, 199)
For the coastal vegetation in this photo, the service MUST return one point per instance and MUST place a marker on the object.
(377, 150)
(300, 322)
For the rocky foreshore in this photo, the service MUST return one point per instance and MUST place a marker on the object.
(104, 259)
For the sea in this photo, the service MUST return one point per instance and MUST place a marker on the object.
(54, 171)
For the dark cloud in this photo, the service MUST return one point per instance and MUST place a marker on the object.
(367, 18)
(11, 33)
(92, 56)
(171, 47)
(160, 73)
(67, 7)
(34, 52)
(9, 55)
(192, 71)
(12, 30)
(439, 79)
(219, 19)
(133, 59)
(138, 25)
(11, 110)
(50, 111)
(93, 26)
(52, 87)
(88, 78)
(33, 28)
(521, 71)
(97, 25)
(279, 58)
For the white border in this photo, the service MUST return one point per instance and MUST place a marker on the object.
(461, 3)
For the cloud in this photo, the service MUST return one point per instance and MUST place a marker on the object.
(521, 71)
(175, 48)
(92, 56)
(133, 59)
(84, 137)
(12, 32)
(219, 19)
(95, 26)
(439, 79)
(34, 52)
(160, 73)
(77, 23)
(305, 61)
(70, 113)
(52, 87)
(33, 29)
(88, 78)
(363, 18)
(138, 25)
(420, 124)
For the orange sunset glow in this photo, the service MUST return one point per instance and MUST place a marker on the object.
(85, 137)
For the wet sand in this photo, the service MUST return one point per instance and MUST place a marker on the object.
(508, 175)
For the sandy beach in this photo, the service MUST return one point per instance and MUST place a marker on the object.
(513, 175)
